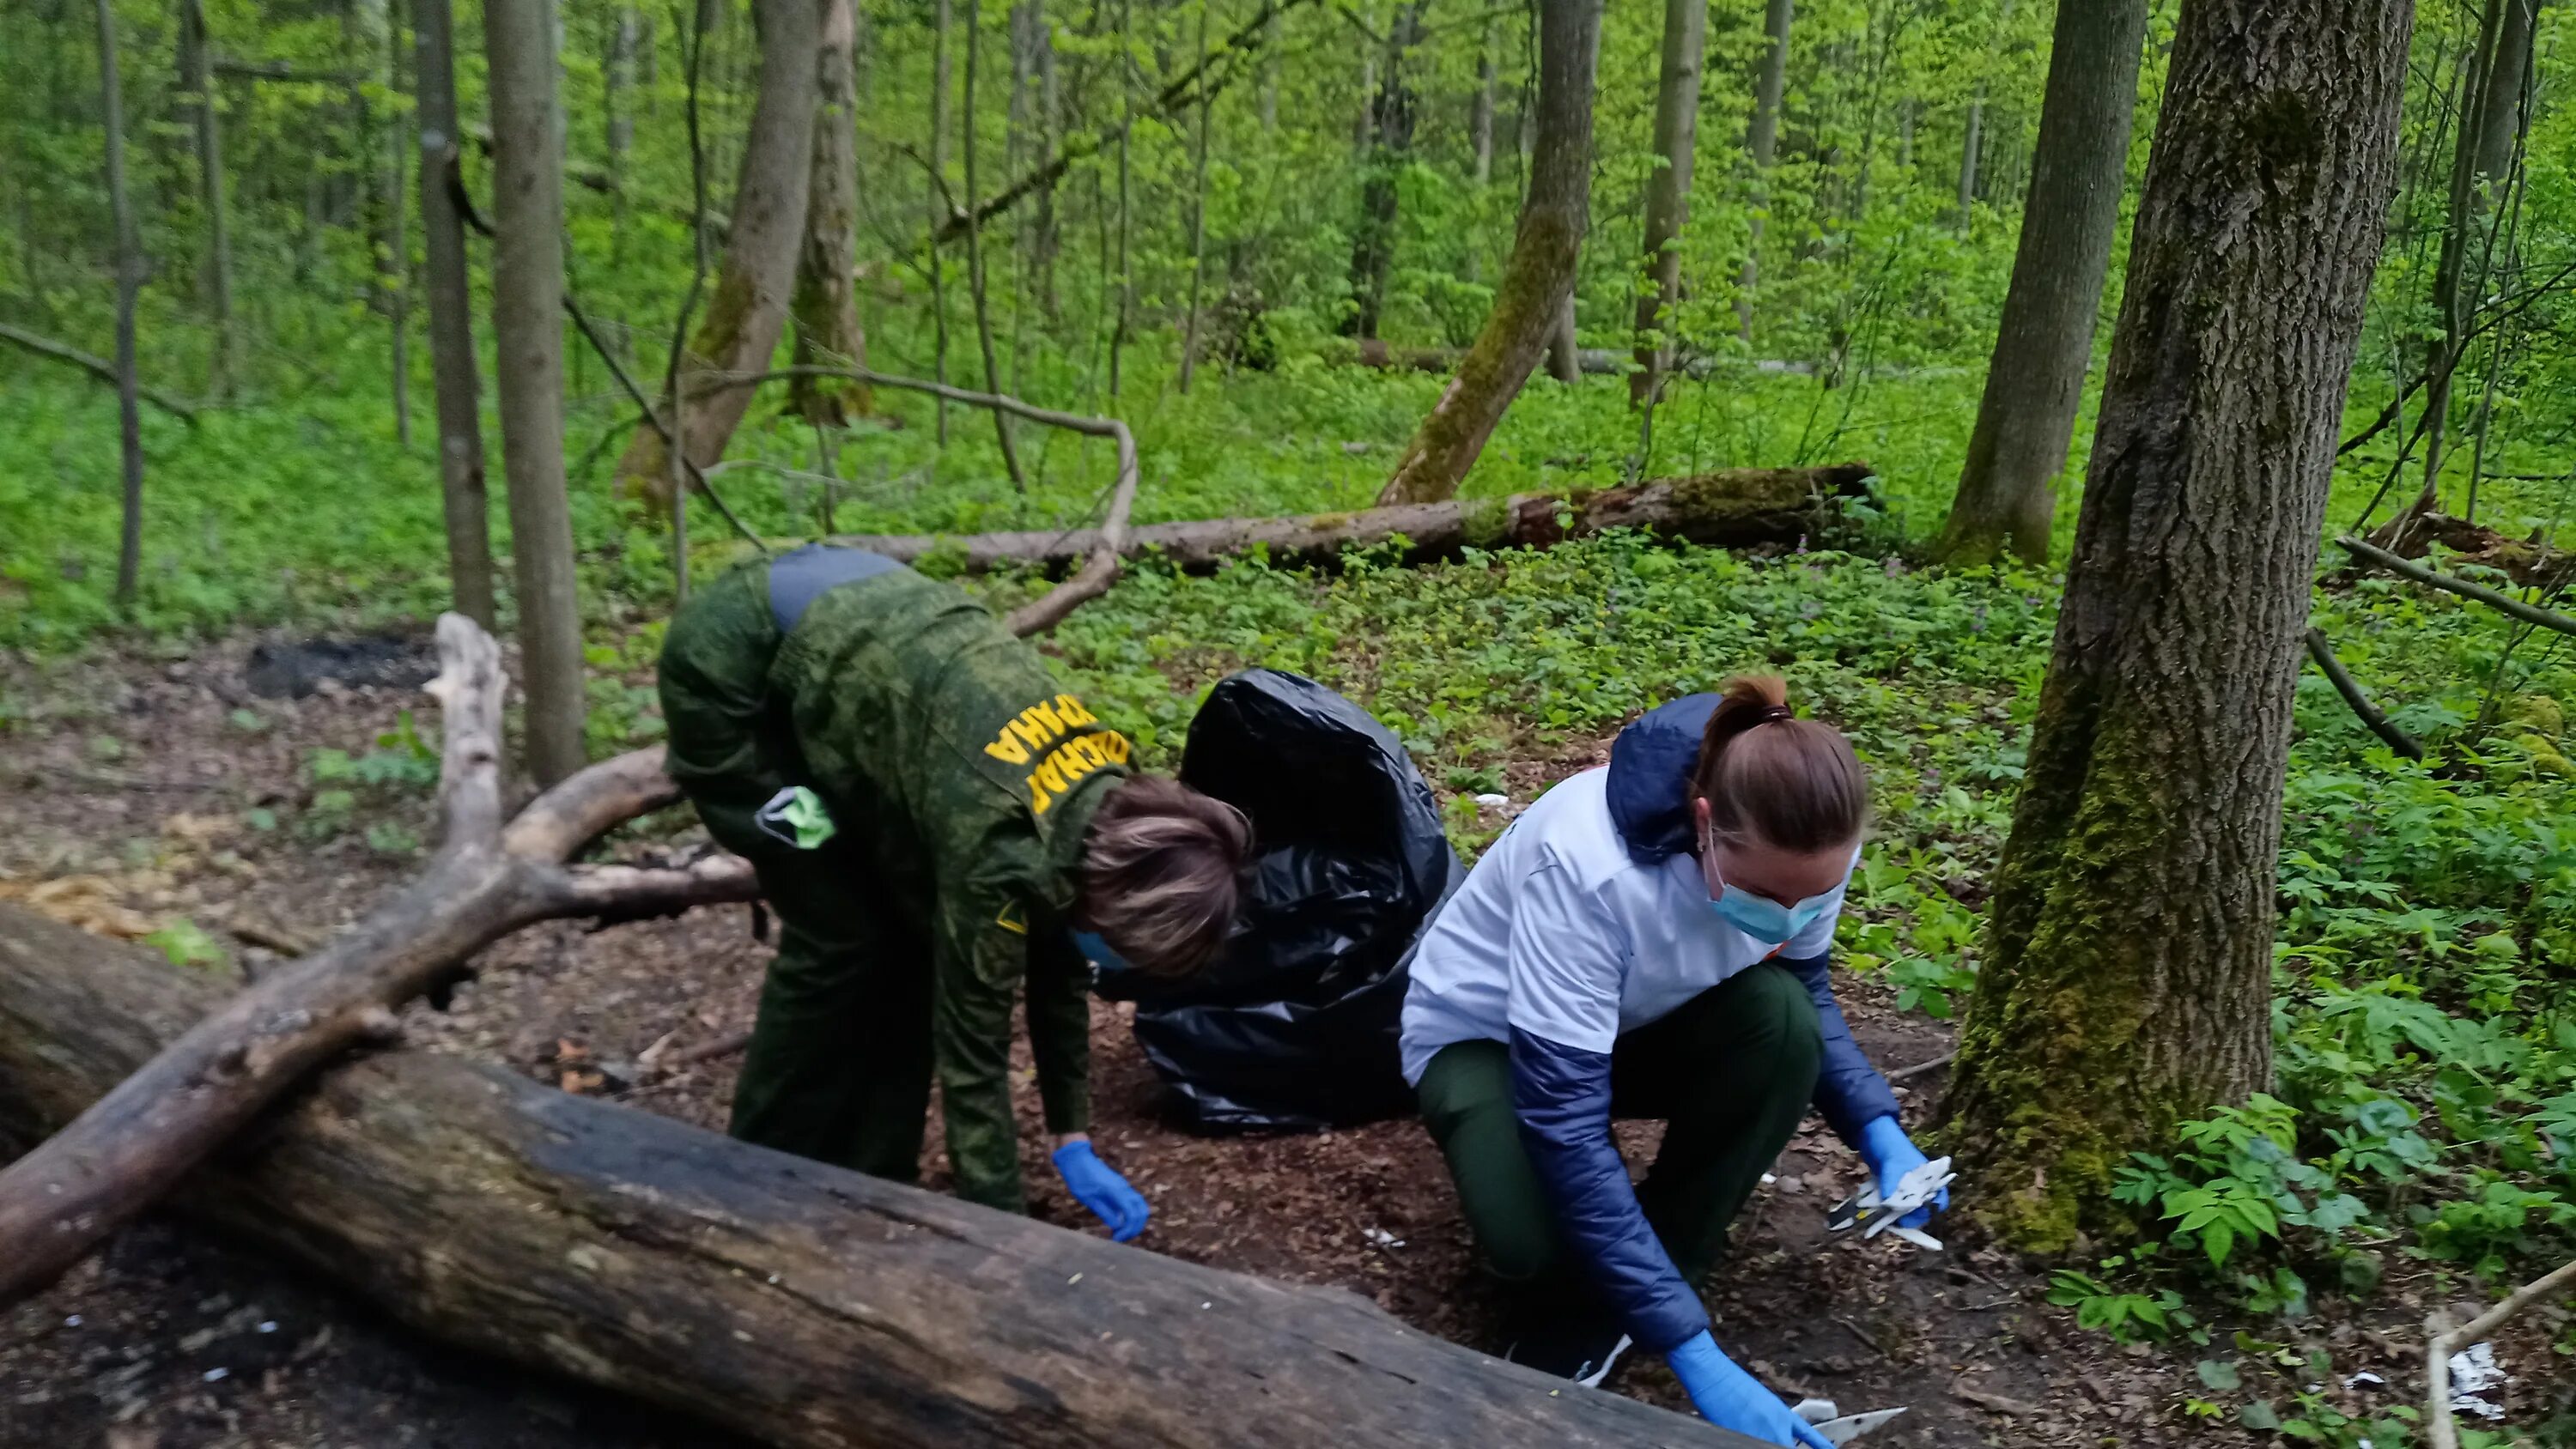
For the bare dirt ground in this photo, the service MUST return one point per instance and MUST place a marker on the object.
(137, 793)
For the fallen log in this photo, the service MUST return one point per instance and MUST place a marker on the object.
(1736, 508)
(779, 1298)
(487, 880)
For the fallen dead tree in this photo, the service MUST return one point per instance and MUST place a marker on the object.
(1733, 509)
(779, 1298)
(488, 879)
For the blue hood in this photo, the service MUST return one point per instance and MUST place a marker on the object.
(1650, 767)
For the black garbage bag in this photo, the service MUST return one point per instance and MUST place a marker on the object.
(1294, 1026)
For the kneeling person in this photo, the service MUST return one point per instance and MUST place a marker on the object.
(1649, 940)
(937, 826)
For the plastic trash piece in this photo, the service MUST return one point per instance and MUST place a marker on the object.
(2475, 1376)
(1294, 1026)
(796, 816)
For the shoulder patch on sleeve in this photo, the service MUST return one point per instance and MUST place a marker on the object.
(1014, 919)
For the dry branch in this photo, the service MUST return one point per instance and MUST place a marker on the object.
(98, 367)
(781, 1299)
(2321, 650)
(127, 1150)
(1735, 508)
(2528, 613)
(2438, 1429)
(1100, 555)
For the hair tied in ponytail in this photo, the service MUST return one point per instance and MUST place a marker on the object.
(1797, 787)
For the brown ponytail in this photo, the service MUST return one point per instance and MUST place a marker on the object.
(1772, 778)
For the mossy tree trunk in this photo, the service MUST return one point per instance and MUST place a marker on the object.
(1539, 276)
(2128, 973)
(747, 308)
(826, 304)
(2007, 491)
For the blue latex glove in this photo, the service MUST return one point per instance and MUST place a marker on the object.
(1730, 1398)
(1097, 1186)
(1890, 1155)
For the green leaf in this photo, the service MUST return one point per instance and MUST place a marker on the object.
(2258, 1414)
(2220, 1374)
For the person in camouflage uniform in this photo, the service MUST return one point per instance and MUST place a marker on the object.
(936, 826)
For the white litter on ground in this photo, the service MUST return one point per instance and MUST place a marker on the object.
(1493, 802)
(2363, 1377)
(215, 1375)
(1816, 1411)
(1382, 1237)
(2474, 1374)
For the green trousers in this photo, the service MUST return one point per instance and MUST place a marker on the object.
(1731, 1073)
(839, 1067)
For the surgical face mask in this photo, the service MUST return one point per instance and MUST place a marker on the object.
(1097, 952)
(1760, 917)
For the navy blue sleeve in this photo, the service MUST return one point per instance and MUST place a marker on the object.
(1562, 1096)
(1849, 1091)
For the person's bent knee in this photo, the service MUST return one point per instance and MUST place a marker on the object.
(1519, 1253)
(1778, 1013)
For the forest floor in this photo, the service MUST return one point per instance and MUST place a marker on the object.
(143, 792)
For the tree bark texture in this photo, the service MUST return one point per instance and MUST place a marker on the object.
(1538, 277)
(527, 330)
(1762, 138)
(794, 1303)
(1389, 150)
(1564, 344)
(450, 298)
(756, 278)
(2129, 965)
(129, 282)
(2035, 382)
(1198, 221)
(826, 304)
(1735, 508)
(198, 47)
(1668, 189)
(129, 1147)
(396, 269)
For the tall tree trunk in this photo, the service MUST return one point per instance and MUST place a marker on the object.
(1389, 150)
(129, 281)
(2128, 974)
(975, 255)
(755, 281)
(395, 275)
(1564, 350)
(1126, 127)
(826, 304)
(527, 329)
(1762, 139)
(1198, 220)
(2490, 118)
(1668, 189)
(2007, 492)
(939, 18)
(1537, 280)
(618, 87)
(198, 46)
(451, 321)
(1480, 121)
(1044, 242)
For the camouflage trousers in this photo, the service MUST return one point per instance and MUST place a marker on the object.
(839, 1067)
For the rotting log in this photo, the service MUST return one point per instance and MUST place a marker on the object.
(1736, 508)
(489, 878)
(779, 1298)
